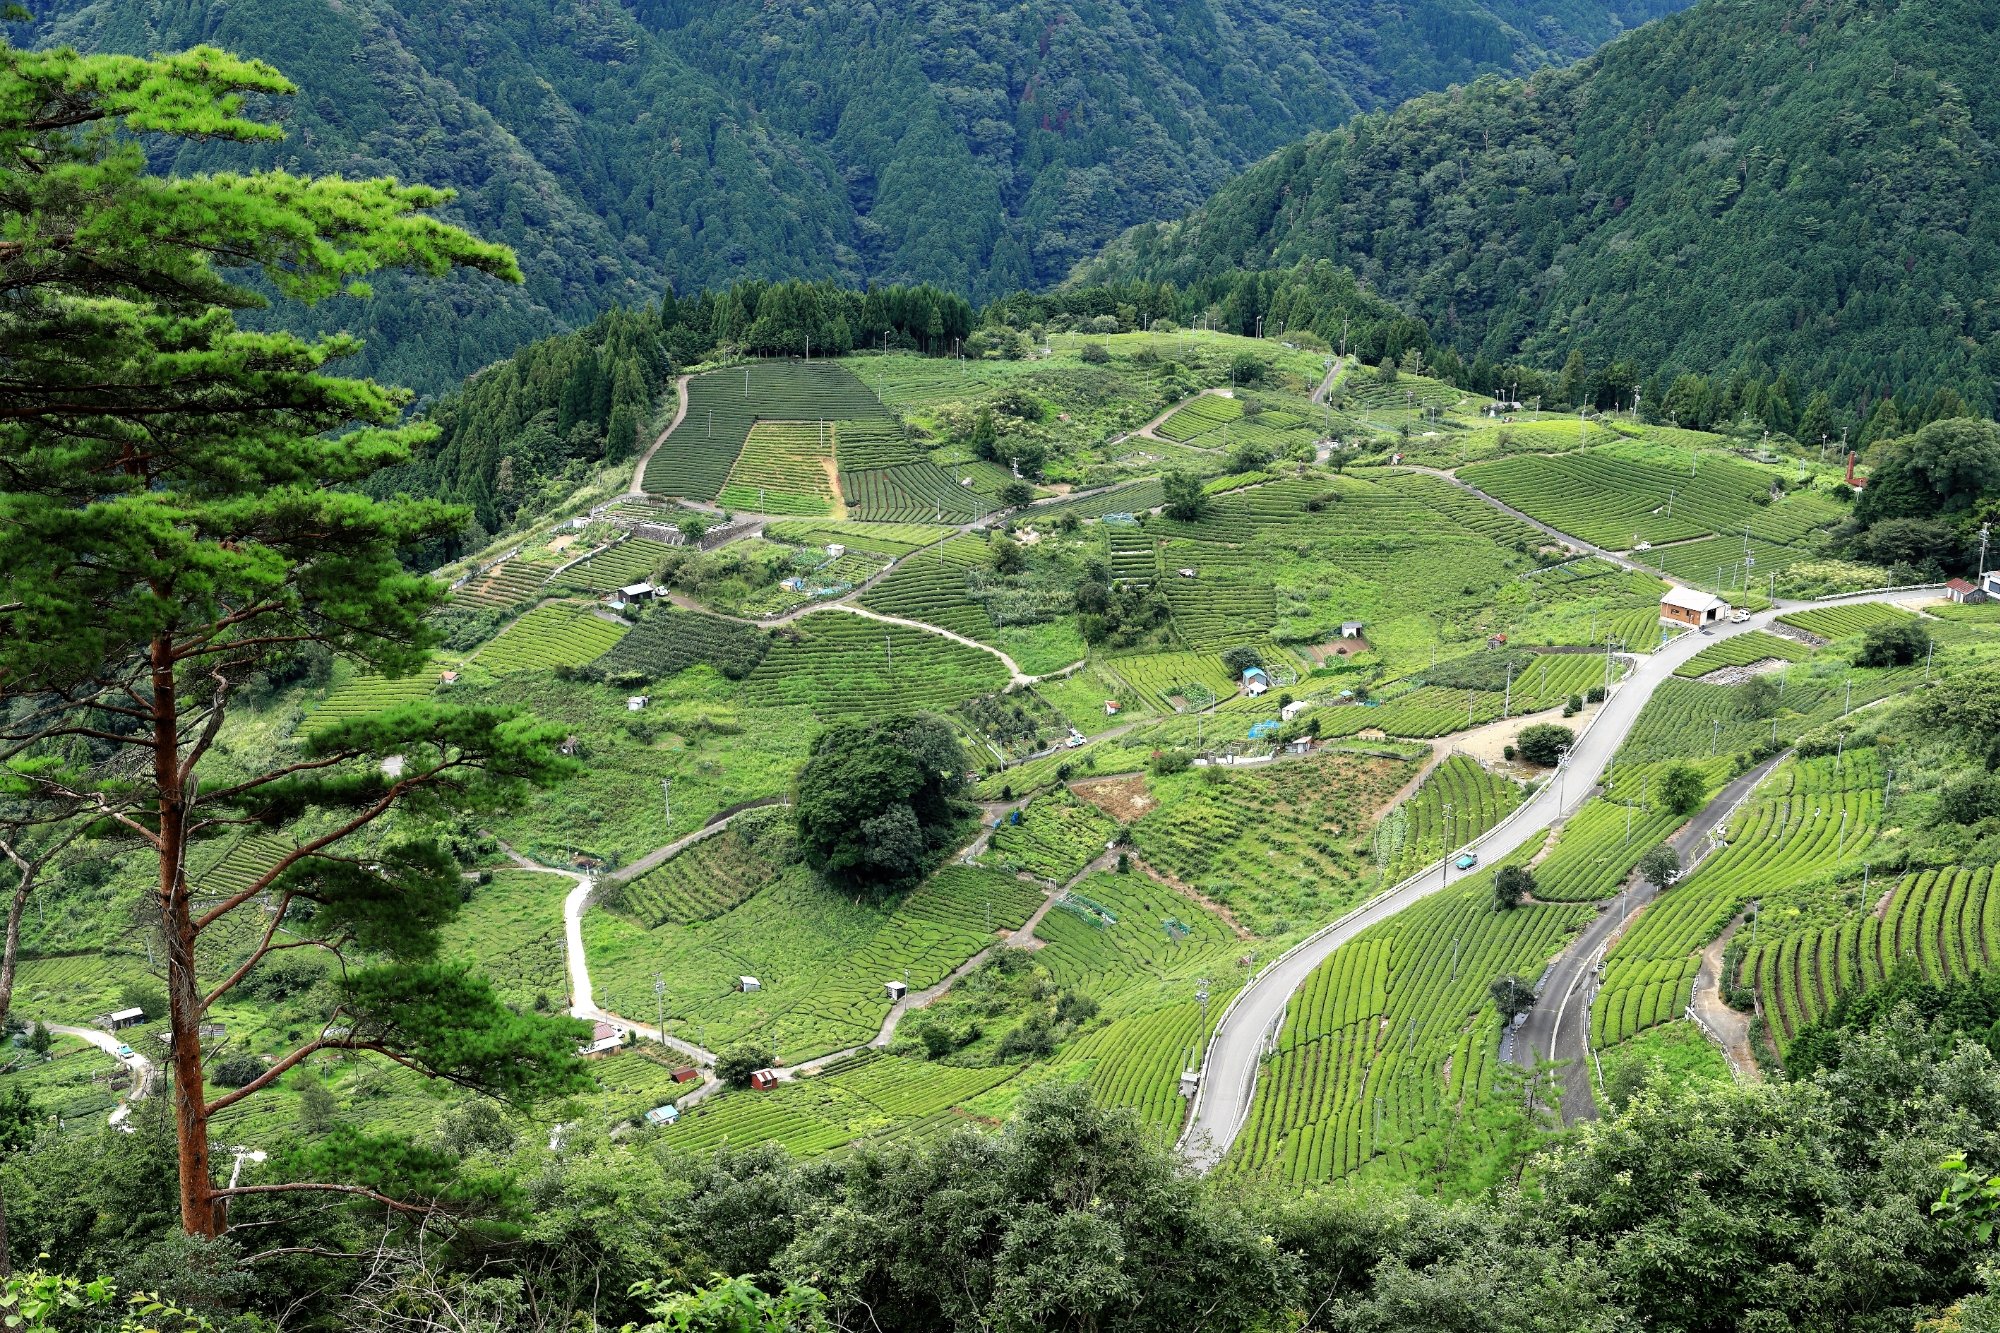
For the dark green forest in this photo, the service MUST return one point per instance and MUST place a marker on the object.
(1804, 192)
(621, 148)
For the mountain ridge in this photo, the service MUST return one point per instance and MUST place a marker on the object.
(621, 147)
(1809, 189)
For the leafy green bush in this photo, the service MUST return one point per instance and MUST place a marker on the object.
(1543, 743)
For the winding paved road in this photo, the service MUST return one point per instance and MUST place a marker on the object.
(1229, 1069)
(1558, 1027)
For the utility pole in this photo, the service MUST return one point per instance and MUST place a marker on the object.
(1507, 698)
(1201, 998)
(1929, 652)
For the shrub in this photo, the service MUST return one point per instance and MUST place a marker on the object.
(1892, 644)
(735, 1065)
(1543, 743)
(1510, 886)
(1094, 354)
(1661, 866)
(1511, 996)
(1682, 789)
(1594, 695)
(235, 1069)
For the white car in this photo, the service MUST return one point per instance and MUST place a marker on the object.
(1741, 617)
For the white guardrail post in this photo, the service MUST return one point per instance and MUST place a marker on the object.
(1402, 886)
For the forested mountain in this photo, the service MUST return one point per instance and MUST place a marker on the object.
(621, 145)
(1796, 189)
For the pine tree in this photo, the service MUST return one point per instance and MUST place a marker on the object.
(181, 514)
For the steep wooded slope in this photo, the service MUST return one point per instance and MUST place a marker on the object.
(1806, 186)
(622, 144)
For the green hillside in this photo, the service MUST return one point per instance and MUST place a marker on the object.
(1748, 184)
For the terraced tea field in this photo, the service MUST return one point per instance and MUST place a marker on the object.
(786, 467)
(913, 493)
(1057, 836)
(933, 589)
(634, 560)
(368, 694)
(1810, 818)
(551, 636)
(508, 583)
(891, 539)
(1839, 622)
(840, 665)
(1743, 650)
(1597, 847)
(1132, 498)
(1945, 923)
(694, 461)
(1289, 844)
(669, 641)
(1458, 801)
(1391, 1043)
(1617, 495)
(1139, 948)
(821, 957)
(856, 1098)
(713, 876)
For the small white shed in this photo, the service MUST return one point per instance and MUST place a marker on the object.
(749, 985)
(897, 990)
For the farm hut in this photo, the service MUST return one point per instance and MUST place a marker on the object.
(615, 604)
(633, 592)
(603, 1037)
(1255, 681)
(749, 985)
(1496, 641)
(1292, 710)
(1963, 590)
(834, 550)
(764, 1078)
(125, 1018)
(636, 703)
(686, 1074)
(1990, 583)
(1685, 606)
(1111, 707)
(897, 990)
(663, 1115)
(1299, 745)
(1351, 629)
(448, 678)
(1190, 1080)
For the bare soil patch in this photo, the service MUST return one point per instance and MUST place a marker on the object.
(1333, 650)
(1125, 799)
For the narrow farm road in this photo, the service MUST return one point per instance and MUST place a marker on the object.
(1020, 677)
(108, 1042)
(1558, 1027)
(1333, 373)
(680, 415)
(1229, 1069)
(582, 1000)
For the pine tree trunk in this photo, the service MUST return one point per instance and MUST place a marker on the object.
(198, 1213)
